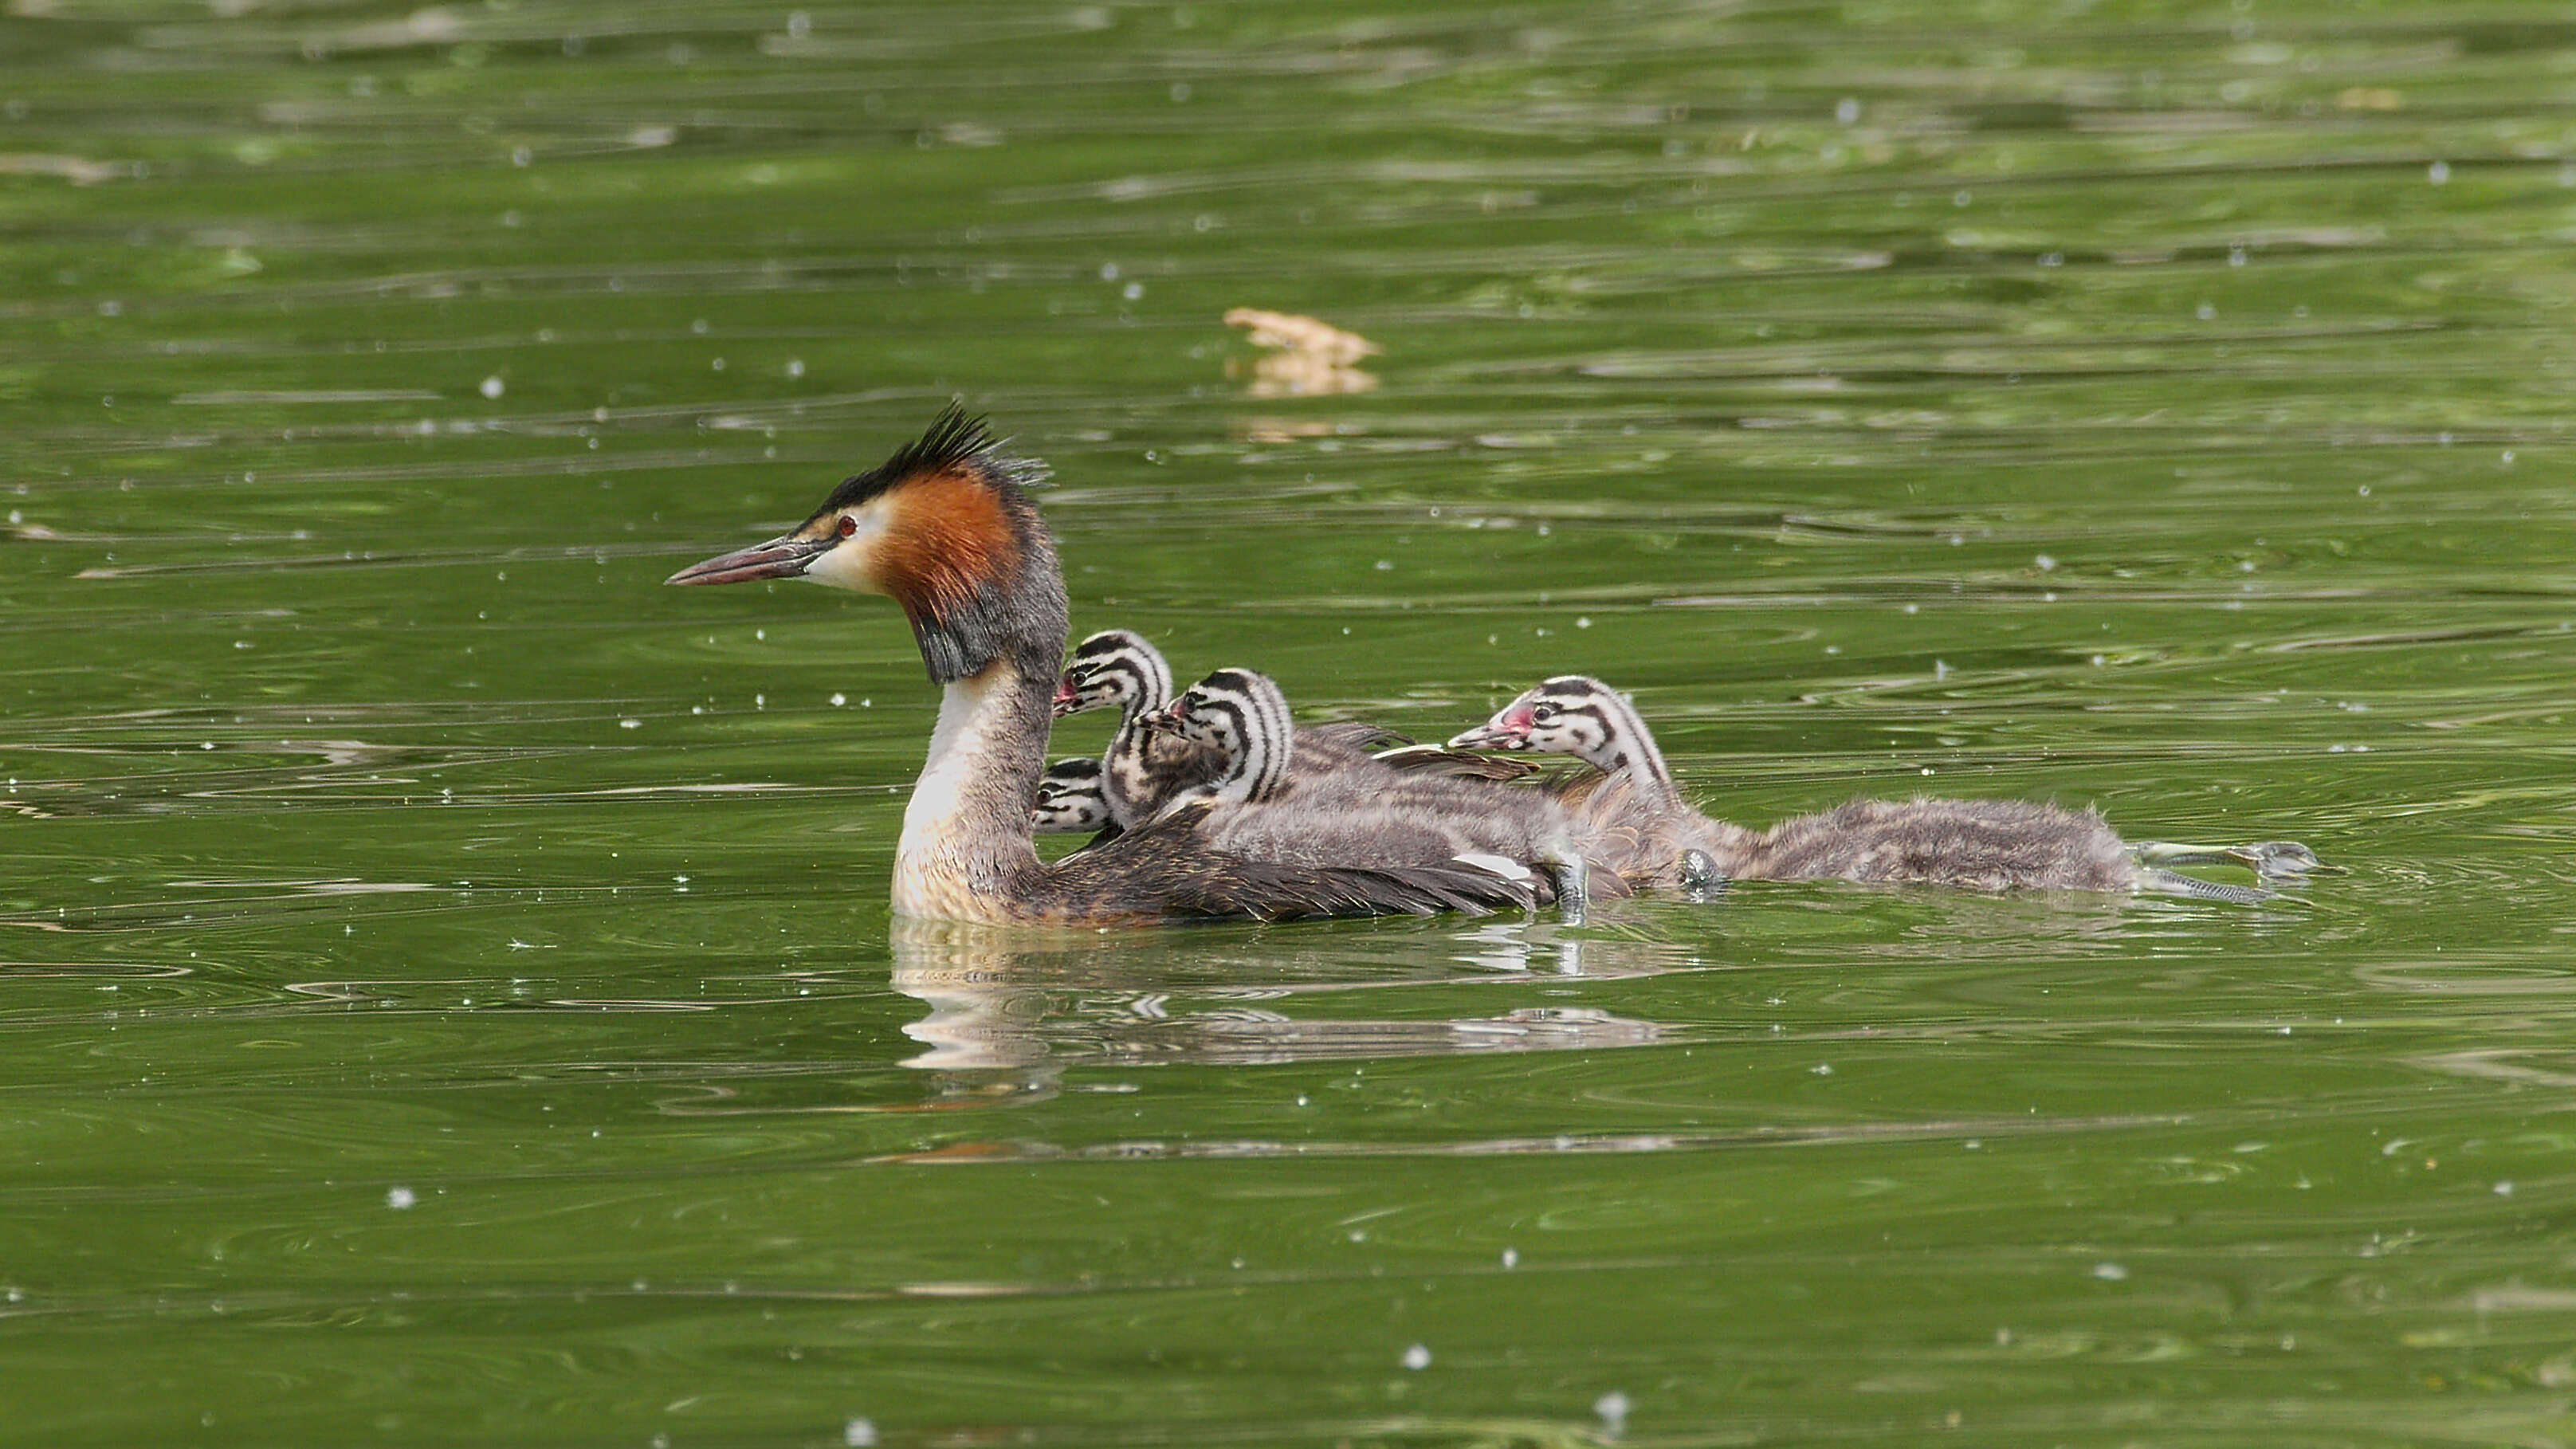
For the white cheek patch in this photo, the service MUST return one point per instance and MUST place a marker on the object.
(851, 563)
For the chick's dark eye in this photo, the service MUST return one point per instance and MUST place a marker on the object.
(848, 525)
(1543, 712)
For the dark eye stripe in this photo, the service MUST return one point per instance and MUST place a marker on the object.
(1567, 714)
(1116, 670)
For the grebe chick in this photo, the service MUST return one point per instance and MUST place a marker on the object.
(1672, 842)
(1070, 799)
(1980, 844)
(1143, 770)
(946, 528)
(1368, 812)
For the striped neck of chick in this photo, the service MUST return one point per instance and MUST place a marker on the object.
(1575, 714)
(1243, 717)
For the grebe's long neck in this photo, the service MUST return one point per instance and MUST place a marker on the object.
(965, 851)
(1148, 687)
(1269, 741)
(1575, 714)
(1248, 719)
(1628, 745)
(1149, 679)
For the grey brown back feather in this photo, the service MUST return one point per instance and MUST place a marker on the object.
(1145, 771)
(1363, 812)
(1168, 869)
(1636, 819)
(1978, 844)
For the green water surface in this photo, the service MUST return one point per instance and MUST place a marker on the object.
(447, 994)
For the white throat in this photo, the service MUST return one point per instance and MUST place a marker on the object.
(935, 860)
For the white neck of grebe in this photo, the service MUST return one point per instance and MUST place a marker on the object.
(965, 852)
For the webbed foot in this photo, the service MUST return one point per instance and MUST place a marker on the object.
(2285, 860)
(2280, 859)
(1700, 879)
(2174, 883)
(1573, 889)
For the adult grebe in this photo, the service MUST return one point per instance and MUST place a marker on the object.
(947, 530)
(1982, 844)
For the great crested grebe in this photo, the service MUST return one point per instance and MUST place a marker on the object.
(1983, 844)
(1367, 812)
(946, 529)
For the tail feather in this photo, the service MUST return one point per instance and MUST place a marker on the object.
(1456, 764)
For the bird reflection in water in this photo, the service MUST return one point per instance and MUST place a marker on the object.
(1015, 1001)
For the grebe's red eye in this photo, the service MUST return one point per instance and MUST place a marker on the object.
(849, 525)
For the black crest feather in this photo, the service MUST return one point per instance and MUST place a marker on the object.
(955, 439)
(1020, 611)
